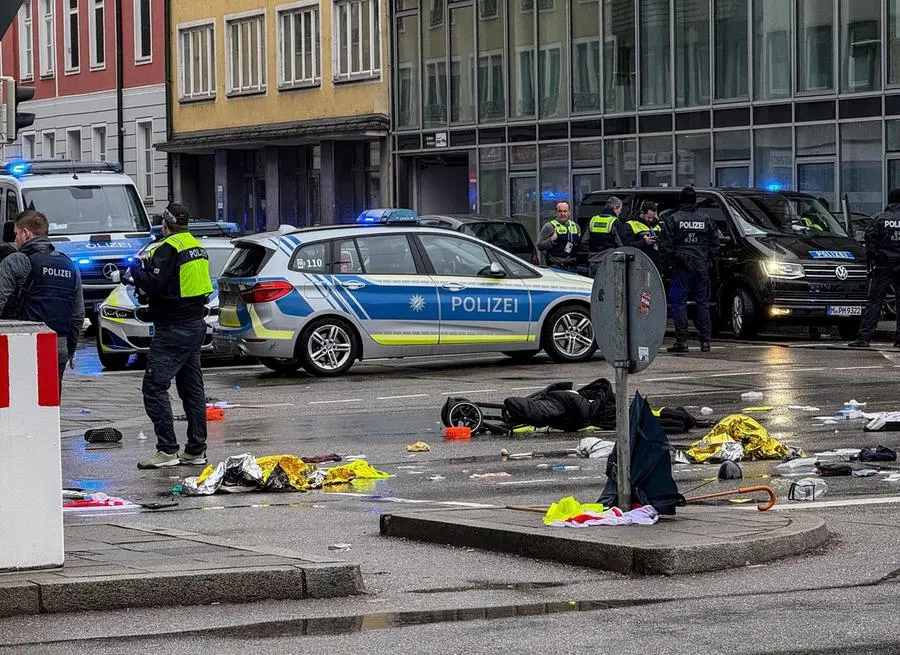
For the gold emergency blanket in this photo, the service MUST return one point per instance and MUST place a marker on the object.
(741, 429)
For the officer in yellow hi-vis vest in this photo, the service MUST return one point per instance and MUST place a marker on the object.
(174, 277)
(560, 239)
(605, 231)
(643, 232)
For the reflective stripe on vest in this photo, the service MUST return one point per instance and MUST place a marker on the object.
(602, 224)
(569, 228)
(193, 264)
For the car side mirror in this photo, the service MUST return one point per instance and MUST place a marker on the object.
(494, 270)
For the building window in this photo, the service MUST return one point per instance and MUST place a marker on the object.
(771, 50)
(488, 9)
(462, 65)
(691, 53)
(98, 142)
(26, 42)
(862, 165)
(773, 158)
(72, 34)
(246, 49)
(198, 62)
(434, 66)
(655, 51)
(98, 33)
(861, 45)
(618, 55)
(145, 159)
(435, 92)
(407, 85)
(586, 56)
(28, 146)
(73, 144)
(893, 43)
(143, 32)
(357, 39)
(815, 45)
(48, 145)
(48, 37)
(491, 64)
(731, 42)
(300, 46)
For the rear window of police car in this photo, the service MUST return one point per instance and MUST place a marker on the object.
(247, 261)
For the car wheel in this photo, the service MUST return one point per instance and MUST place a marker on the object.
(849, 330)
(328, 347)
(569, 335)
(111, 361)
(521, 355)
(744, 322)
(281, 365)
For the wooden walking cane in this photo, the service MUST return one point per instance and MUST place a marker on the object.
(762, 507)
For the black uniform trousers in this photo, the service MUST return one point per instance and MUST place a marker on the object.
(881, 280)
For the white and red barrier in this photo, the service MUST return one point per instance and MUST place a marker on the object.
(31, 525)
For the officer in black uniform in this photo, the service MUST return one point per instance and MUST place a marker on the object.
(560, 238)
(39, 283)
(883, 259)
(689, 245)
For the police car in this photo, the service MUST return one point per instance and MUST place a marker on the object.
(124, 325)
(322, 298)
(95, 212)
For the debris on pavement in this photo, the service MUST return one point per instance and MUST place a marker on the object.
(84, 501)
(706, 411)
(215, 414)
(757, 409)
(339, 548)
(864, 473)
(740, 429)
(565, 469)
(594, 448)
(883, 422)
(242, 473)
(568, 512)
(681, 457)
(437, 478)
(796, 465)
(102, 435)
(321, 459)
(418, 447)
(501, 474)
(807, 489)
(848, 414)
(730, 471)
(840, 454)
(141, 436)
(877, 454)
(459, 433)
(751, 395)
(833, 469)
(804, 408)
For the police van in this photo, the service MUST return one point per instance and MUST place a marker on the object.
(95, 212)
(784, 258)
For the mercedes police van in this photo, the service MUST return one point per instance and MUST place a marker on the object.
(95, 212)
(784, 257)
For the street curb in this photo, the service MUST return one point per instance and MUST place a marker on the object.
(630, 550)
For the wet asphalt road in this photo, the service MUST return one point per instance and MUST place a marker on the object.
(843, 596)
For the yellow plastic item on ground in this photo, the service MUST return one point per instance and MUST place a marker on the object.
(569, 507)
(737, 427)
(418, 447)
(358, 469)
(294, 468)
(757, 409)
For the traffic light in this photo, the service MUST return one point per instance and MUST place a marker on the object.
(16, 120)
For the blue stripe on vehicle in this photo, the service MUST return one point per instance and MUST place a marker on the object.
(348, 295)
(292, 239)
(312, 281)
(332, 288)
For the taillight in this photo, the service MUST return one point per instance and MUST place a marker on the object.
(267, 291)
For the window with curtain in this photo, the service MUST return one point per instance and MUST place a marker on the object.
(619, 55)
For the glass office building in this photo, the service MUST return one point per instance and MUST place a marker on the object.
(504, 107)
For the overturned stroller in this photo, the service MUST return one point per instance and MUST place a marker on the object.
(557, 407)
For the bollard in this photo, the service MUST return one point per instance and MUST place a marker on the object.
(30, 461)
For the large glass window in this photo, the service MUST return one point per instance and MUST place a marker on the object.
(771, 49)
(521, 64)
(618, 55)
(731, 37)
(298, 32)
(434, 64)
(656, 150)
(860, 45)
(586, 56)
(693, 163)
(492, 181)
(773, 158)
(523, 198)
(554, 160)
(691, 53)
(815, 45)
(462, 65)
(893, 44)
(407, 80)
(733, 145)
(491, 67)
(621, 163)
(553, 85)
(861, 165)
(246, 48)
(655, 53)
(815, 140)
(817, 179)
(357, 39)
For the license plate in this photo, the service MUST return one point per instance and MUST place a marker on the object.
(845, 310)
(152, 330)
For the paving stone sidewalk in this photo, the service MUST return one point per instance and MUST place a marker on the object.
(110, 566)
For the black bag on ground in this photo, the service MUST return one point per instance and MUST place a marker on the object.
(877, 454)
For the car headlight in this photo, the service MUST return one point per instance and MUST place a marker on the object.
(782, 270)
(116, 312)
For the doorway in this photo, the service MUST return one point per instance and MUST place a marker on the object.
(442, 184)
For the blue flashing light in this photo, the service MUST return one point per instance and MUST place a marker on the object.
(548, 196)
(18, 169)
(773, 186)
(130, 259)
(84, 262)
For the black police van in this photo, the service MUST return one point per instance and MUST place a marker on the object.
(784, 258)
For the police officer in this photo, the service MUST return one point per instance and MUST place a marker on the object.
(174, 277)
(883, 259)
(39, 283)
(689, 244)
(643, 233)
(606, 232)
(560, 239)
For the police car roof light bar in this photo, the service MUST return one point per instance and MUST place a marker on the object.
(21, 167)
(388, 217)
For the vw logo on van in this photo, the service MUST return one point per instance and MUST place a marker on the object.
(841, 272)
(109, 269)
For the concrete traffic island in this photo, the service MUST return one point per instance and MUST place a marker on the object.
(698, 539)
(110, 566)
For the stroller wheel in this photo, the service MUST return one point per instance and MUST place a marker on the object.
(465, 414)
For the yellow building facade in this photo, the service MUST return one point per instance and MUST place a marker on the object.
(279, 110)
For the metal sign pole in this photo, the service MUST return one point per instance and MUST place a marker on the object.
(621, 365)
